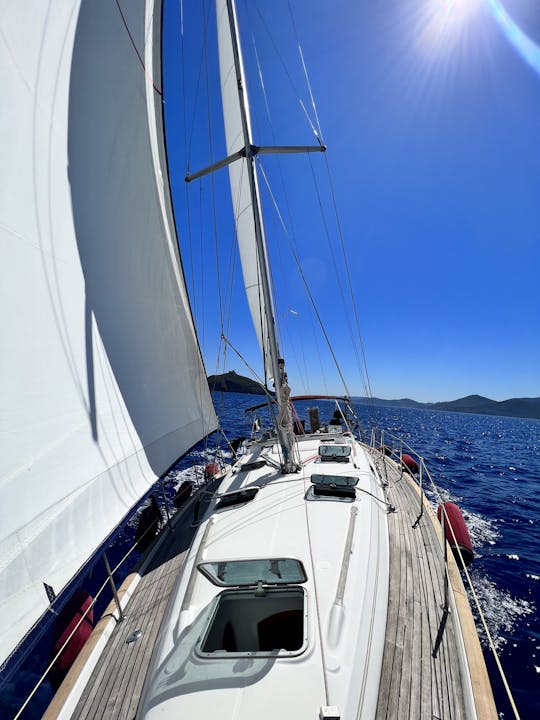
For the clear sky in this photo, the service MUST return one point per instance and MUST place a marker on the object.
(431, 113)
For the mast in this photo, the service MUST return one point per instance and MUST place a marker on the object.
(284, 424)
(248, 219)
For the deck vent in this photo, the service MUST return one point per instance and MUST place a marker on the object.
(329, 712)
(338, 486)
(334, 453)
(238, 497)
(254, 465)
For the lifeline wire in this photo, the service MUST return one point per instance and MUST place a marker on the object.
(472, 589)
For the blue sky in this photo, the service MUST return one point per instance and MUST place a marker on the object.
(431, 113)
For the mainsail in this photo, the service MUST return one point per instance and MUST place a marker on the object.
(102, 382)
(238, 175)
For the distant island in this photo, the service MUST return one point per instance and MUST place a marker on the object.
(232, 382)
(514, 407)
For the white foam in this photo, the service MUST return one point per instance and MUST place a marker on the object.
(483, 531)
(501, 610)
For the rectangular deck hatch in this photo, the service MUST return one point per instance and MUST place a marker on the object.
(250, 573)
(339, 486)
(334, 453)
(247, 623)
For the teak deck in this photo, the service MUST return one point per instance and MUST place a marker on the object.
(414, 684)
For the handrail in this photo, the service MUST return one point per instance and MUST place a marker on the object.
(109, 580)
(423, 469)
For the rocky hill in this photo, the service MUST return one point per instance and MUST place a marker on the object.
(232, 382)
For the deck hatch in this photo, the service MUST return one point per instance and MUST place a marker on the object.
(245, 622)
(334, 453)
(250, 573)
(334, 486)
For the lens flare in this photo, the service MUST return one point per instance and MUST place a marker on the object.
(521, 42)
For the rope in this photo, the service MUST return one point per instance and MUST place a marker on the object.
(316, 597)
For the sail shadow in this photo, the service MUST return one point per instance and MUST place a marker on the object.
(141, 350)
(183, 671)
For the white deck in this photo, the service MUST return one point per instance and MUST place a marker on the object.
(340, 662)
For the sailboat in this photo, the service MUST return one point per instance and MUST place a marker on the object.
(317, 583)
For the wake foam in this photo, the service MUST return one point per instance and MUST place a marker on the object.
(501, 610)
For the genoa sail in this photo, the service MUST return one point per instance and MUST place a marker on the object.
(102, 383)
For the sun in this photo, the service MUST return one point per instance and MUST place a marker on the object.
(442, 23)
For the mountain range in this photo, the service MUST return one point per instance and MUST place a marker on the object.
(514, 407)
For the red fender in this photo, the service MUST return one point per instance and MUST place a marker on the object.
(456, 523)
(66, 621)
(409, 463)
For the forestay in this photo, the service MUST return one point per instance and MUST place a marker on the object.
(102, 383)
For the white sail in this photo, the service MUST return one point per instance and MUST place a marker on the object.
(102, 382)
(241, 196)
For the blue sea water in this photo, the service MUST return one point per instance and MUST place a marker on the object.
(489, 465)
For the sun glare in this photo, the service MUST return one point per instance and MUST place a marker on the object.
(443, 22)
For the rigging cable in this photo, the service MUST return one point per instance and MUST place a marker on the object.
(367, 383)
(287, 73)
(317, 131)
(334, 263)
(269, 397)
(306, 286)
(281, 328)
(318, 134)
(349, 282)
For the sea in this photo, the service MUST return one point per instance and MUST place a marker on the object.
(488, 465)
